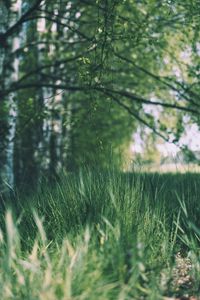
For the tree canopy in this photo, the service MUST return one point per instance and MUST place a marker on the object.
(79, 77)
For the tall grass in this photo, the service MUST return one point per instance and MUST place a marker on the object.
(101, 235)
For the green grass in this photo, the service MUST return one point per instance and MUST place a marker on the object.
(101, 235)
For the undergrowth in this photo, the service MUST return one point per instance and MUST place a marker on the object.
(100, 235)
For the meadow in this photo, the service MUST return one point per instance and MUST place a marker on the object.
(98, 235)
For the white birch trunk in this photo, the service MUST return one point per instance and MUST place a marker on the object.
(15, 13)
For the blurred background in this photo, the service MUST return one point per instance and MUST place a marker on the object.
(98, 83)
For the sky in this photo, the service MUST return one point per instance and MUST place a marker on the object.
(191, 138)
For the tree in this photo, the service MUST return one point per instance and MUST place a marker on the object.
(87, 70)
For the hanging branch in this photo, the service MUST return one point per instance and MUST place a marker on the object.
(158, 78)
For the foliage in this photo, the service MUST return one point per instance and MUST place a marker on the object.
(90, 67)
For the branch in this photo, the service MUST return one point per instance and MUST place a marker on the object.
(158, 78)
(145, 101)
(61, 24)
(45, 42)
(22, 19)
(56, 64)
(137, 117)
(16, 87)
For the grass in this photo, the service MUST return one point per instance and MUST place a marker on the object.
(101, 235)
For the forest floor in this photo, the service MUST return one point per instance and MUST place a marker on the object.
(103, 235)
